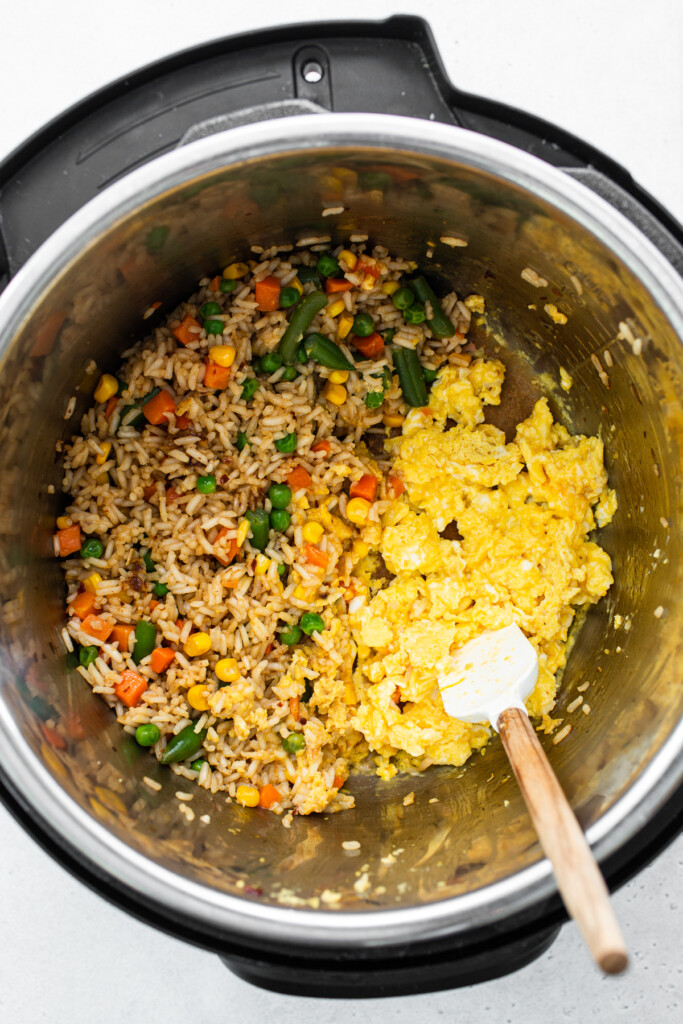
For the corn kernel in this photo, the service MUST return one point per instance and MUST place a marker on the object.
(242, 531)
(63, 522)
(312, 533)
(335, 393)
(196, 697)
(234, 271)
(344, 326)
(335, 308)
(197, 644)
(392, 419)
(296, 283)
(248, 796)
(222, 355)
(357, 511)
(368, 283)
(262, 564)
(346, 175)
(107, 388)
(389, 287)
(102, 480)
(331, 184)
(360, 549)
(106, 448)
(227, 670)
(93, 582)
(349, 693)
(349, 258)
(339, 377)
(302, 593)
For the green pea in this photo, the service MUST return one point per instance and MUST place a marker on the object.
(214, 326)
(271, 362)
(282, 570)
(227, 286)
(210, 309)
(150, 564)
(415, 314)
(288, 374)
(280, 519)
(147, 735)
(328, 266)
(374, 399)
(206, 484)
(249, 389)
(280, 495)
(289, 297)
(287, 443)
(160, 590)
(306, 274)
(363, 325)
(293, 743)
(92, 548)
(197, 765)
(290, 636)
(241, 442)
(87, 655)
(311, 622)
(429, 375)
(403, 298)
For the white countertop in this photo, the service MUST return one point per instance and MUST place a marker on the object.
(611, 73)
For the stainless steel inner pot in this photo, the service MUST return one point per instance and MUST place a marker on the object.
(463, 854)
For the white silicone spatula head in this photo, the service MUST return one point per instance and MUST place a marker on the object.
(497, 670)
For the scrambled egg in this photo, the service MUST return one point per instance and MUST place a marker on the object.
(523, 511)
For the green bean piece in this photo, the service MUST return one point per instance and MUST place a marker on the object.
(289, 296)
(363, 325)
(92, 548)
(440, 324)
(183, 746)
(328, 266)
(160, 590)
(122, 385)
(293, 743)
(290, 636)
(389, 335)
(147, 735)
(213, 326)
(308, 691)
(249, 389)
(72, 660)
(288, 374)
(227, 286)
(128, 420)
(402, 298)
(306, 274)
(301, 355)
(280, 519)
(210, 309)
(145, 637)
(301, 319)
(150, 564)
(287, 443)
(87, 655)
(259, 521)
(415, 314)
(197, 765)
(241, 442)
(326, 352)
(429, 374)
(311, 622)
(374, 399)
(375, 181)
(279, 495)
(409, 371)
(271, 362)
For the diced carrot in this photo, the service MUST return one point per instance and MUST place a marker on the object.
(153, 605)
(337, 284)
(130, 688)
(295, 708)
(215, 376)
(171, 495)
(267, 293)
(268, 796)
(226, 551)
(371, 346)
(321, 446)
(397, 486)
(74, 726)
(110, 406)
(159, 409)
(396, 695)
(82, 604)
(365, 266)
(96, 627)
(299, 478)
(69, 540)
(366, 487)
(188, 330)
(54, 738)
(338, 781)
(182, 422)
(121, 633)
(179, 624)
(215, 283)
(315, 556)
(161, 659)
(149, 492)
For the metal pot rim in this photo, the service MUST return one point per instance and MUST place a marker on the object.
(220, 912)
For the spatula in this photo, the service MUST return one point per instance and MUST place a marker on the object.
(487, 681)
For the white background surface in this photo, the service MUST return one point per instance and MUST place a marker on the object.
(612, 73)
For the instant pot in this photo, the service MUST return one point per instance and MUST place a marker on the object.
(433, 880)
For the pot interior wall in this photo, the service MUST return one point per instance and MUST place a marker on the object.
(466, 827)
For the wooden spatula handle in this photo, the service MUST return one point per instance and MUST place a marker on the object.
(578, 876)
